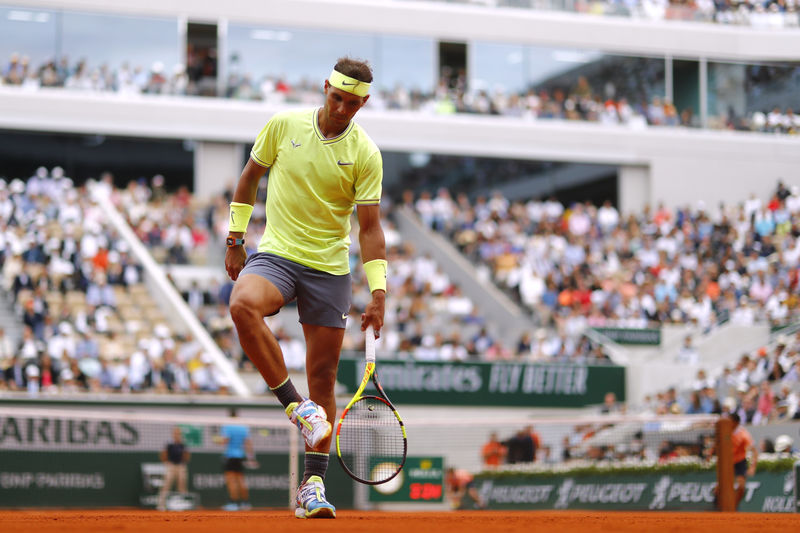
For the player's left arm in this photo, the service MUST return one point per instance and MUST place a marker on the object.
(373, 246)
(368, 190)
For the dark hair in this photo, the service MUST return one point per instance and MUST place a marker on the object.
(355, 68)
(735, 417)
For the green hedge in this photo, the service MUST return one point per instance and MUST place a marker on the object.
(765, 464)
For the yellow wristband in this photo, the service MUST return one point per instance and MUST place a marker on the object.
(376, 274)
(240, 216)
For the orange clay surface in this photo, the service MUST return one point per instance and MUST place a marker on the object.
(392, 522)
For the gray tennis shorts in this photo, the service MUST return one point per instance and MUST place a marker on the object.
(323, 299)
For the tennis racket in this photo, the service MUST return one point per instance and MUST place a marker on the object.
(370, 436)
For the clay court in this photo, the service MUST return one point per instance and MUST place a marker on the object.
(392, 522)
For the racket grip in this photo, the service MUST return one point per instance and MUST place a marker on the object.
(369, 344)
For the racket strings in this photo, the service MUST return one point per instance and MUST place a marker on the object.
(371, 440)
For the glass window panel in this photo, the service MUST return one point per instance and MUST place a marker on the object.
(27, 32)
(114, 40)
(754, 96)
(497, 67)
(405, 61)
(544, 64)
(294, 55)
(607, 76)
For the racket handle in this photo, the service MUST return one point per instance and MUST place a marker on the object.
(369, 344)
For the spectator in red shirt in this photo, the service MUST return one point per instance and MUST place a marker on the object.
(493, 452)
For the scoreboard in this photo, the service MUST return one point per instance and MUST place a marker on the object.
(421, 480)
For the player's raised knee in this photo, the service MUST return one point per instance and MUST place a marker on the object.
(244, 311)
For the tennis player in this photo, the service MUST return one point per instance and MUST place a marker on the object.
(322, 166)
(238, 447)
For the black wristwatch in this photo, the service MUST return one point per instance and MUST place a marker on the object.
(233, 241)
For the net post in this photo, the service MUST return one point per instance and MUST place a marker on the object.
(726, 500)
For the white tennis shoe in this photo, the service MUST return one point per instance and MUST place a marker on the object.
(311, 419)
(311, 502)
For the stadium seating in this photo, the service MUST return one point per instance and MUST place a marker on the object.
(581, 266)
(82, 304)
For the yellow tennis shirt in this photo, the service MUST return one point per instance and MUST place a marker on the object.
(314, 184)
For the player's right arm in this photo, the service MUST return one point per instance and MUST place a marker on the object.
(245, 193)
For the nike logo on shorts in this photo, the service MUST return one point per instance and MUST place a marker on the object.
(344, 316)
(344, 163)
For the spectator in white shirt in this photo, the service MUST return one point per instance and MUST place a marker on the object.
(744, 315)
(688, 354)
(424, 208)
(29, 346)
(443, 210)
(793, 201)
(61, 346)
(760, 288)
(579, 221)
(607, 217)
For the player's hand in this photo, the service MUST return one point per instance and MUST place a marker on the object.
(373, 314)
(751, 470)
(234, 261)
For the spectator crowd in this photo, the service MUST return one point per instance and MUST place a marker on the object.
(766, 13)
(88, 321)
(584, 265)
(79, 293)
(761, 387)
(623, 92)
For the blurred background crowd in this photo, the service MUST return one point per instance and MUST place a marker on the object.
(90, 323)
(624, 94)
